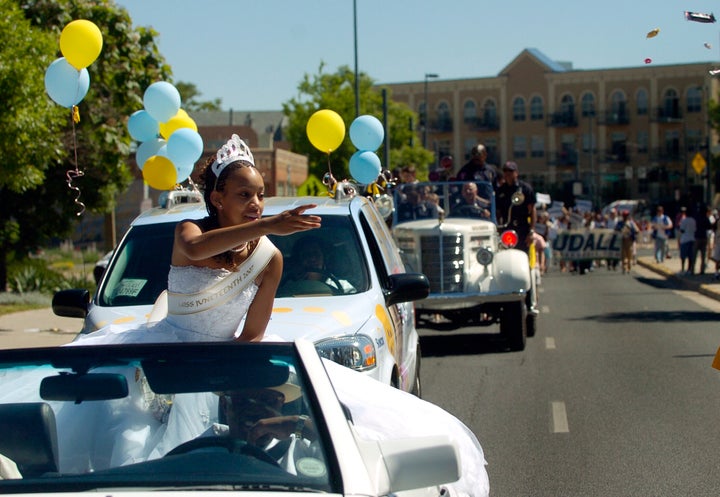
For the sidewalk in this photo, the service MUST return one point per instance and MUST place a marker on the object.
(38, 328)
(705, 284)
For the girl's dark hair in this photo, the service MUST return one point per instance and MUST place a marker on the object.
(209, 183)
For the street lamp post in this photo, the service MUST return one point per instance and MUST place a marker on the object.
(425, 108)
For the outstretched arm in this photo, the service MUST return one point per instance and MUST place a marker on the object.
(192, 244)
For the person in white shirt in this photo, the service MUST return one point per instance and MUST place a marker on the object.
(661, 223)
(687, 229)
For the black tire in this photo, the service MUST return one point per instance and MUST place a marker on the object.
(530, 324)
(417, 387)
(513, 324)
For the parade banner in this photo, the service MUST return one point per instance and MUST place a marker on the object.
(587, 244)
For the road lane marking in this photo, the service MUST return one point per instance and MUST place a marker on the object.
(559, 415)
(545, 309)
(549, 343)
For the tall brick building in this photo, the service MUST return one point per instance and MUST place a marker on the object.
(606, 133)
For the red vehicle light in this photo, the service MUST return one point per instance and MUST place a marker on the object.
(509, 238)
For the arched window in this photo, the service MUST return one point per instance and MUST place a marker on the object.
(444, 121)
(469, 111)
(537, 112)
(587, 105)
(567, 105)
(641, 100)
(618, 108)
(490, 113)
(671, 105)
(519, 109)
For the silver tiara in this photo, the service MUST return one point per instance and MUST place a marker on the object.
(234, 150)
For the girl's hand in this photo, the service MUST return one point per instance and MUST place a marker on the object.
(294, 220)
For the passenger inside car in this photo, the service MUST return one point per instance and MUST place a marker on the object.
(309, 273)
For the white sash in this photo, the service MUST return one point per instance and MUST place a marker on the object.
(228, 287)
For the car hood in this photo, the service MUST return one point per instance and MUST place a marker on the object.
(317, 318)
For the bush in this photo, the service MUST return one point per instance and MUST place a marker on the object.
(34, 275)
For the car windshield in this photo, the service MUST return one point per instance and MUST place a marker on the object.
(169, 416)
(432, 200)
(328, 261)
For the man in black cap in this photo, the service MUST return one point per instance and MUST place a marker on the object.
(520, 217)
(477, 169)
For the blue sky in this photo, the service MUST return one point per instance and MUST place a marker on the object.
(252, 54)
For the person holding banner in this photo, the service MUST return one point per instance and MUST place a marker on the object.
(628, 232)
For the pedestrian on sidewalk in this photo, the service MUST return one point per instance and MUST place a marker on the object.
(702, 233)
(687, 229)
(661, 225)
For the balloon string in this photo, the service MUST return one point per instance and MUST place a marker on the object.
(77, 173)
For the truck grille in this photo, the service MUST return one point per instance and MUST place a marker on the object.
(443, 259)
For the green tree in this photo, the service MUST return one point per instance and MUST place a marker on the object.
(38, 204)
(190, 98)
(337, 92)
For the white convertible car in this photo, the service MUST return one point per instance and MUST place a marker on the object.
(357, 306)
(258, 419)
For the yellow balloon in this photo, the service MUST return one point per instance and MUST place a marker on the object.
(160, 173)
(326, 130)
(179, 120)
(80, 43)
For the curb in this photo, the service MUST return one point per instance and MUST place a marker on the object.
(712, 291)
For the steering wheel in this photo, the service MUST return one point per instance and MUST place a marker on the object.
(322, 276)
(231, 444)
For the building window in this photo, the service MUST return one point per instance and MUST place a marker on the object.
(671, 105)
(589, 143)
(537, 146)
(642, 142)
(618, 147)
(567, 105)
(421, 113)
(519, 109)
(587, 105)
(694, 99)
(444, 121)
(618, 107)
(694, 140)
(641, 100)
(519, 147)
(469, 111)
(537, 113)
(672, 144)
(491, 147)
(490, 113)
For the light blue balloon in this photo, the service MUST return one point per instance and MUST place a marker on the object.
(156, 146)
(66, 85)
(142, 126)
(184, 171)
(184, 147)
(365, 166)
(367, 133)
(162, 101)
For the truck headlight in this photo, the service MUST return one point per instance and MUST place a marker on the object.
(484, 256)
(356, 352)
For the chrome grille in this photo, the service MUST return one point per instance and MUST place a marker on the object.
(443, 261)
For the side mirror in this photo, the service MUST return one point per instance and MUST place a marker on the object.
(407, 287)
(71, 303)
